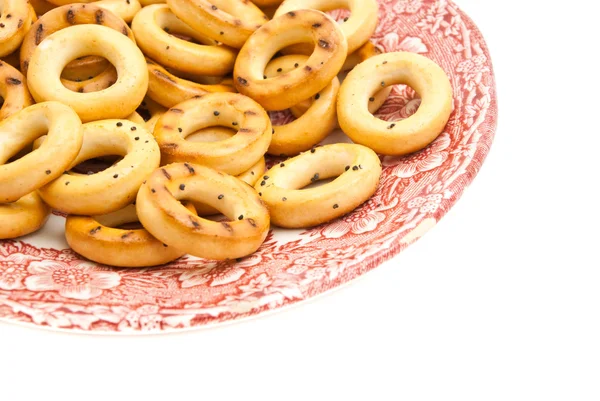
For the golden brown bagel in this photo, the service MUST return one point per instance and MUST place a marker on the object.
(356, 167)
(229, 21)
(58, 49)
(161, 213)
(62, 128)
(401, 137)
(232, 156)
(289, 89)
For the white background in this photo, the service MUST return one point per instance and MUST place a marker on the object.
(500, 301)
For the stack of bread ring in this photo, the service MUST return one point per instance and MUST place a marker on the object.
(172, 100)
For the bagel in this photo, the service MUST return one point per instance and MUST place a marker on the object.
(165, 218)
(169, 90)
(64, 17)
(114, 188)
(116, 101)
(302, 134)
(357, 29)
(16, 19)
(34, 170)
(25, 216)
(401, 137)
(232, 156)
(229, 21)
(289, 89)
(99, 239)
(13, 90)
(356, 167)
(206, 58)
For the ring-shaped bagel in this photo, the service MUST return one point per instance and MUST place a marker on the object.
(169, 90)
(356, 167)
(13, 90)
(64, 17)
(229, 21)
(99, 239)
(207, 58)
(358, 28)
(115, 187)
(401, 137)
(16, 19)
(25, 216)
(302, 134)
(161, 213)
(39, 167)
(117, 101)
(93, 84)
(232, 156)
(126, 9)
(288, 89)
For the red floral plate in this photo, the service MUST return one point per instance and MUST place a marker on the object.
(44, 283)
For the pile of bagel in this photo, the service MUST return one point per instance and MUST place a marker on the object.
(174, 100)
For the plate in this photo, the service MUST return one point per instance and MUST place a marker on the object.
(44, 284)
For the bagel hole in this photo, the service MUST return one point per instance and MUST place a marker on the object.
(402, 102)
(96, 165)
(21, 152)
(199, 79)
(187, 38)
(144, 113)
(340, 15)
(84, 68)
(211, 134)
(130, 226)
(319, 183)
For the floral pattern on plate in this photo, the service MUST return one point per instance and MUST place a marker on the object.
(43, 283)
